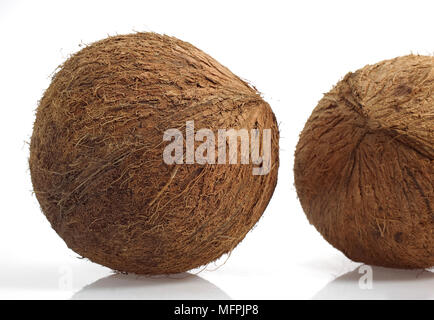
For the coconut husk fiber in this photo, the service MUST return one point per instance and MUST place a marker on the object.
(96, 155)
(364, 167)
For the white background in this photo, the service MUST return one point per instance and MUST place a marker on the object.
(292, 52)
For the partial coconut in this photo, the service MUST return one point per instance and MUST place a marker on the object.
(97, 154)
(364, 165)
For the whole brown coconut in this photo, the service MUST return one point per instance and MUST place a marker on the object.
(97, 164)
(364, 169)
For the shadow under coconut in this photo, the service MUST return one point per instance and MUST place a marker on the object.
(392, 284)
(184, 286)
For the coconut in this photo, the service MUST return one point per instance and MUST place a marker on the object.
(97, 149)
(364, 169)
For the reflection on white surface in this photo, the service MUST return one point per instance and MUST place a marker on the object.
(45, 279)
(386, 284)
(121, 286)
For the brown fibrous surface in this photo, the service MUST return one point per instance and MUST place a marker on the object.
(97, 165)
(364, 164)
